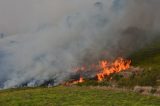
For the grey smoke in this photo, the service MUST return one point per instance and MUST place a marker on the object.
(45, 39)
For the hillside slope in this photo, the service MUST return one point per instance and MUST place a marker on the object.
(74, 96)
(147, 58)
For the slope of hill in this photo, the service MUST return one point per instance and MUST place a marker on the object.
(147, 58)
(74, 96)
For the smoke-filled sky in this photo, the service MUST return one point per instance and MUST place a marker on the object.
(43, 39)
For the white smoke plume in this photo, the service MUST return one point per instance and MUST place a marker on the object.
(44, 39)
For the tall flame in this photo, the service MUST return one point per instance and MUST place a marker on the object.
(107, 68)
(104, 68)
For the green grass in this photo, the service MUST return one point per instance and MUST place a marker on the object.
(147, 58)
(73, 96)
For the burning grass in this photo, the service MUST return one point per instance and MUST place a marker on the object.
(103, 69)
(146, 59)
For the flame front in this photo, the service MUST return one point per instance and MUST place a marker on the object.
(104, 68)
(107, 68)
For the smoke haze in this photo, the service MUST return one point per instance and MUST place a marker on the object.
(44, 39)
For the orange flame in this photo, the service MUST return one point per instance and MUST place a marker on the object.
(107, 68)
(81, 80)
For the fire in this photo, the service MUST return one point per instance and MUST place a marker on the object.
(117, 66)
(81, 80)
(104, 68)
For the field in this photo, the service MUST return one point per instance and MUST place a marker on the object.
(147, 58)
(74, 96)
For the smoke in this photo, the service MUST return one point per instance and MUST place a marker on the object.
(43, 40)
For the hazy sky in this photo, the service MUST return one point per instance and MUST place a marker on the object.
(26, 15)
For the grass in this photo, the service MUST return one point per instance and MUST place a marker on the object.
(73, 96)
(147, 58)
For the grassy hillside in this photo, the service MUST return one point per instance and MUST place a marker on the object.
(75, 96)
(147, 58)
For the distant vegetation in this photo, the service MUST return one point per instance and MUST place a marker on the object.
(148, 59)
